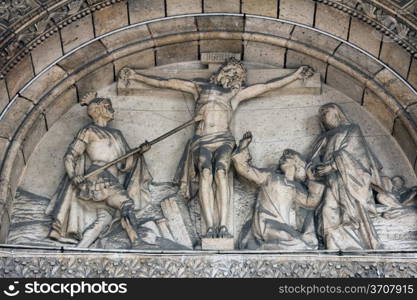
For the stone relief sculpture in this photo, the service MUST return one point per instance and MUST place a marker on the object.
(82, 209)
(343, 160)
(284, 211)
(207, 157)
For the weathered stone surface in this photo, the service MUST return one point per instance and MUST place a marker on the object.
(19, 75)
(77, 33)
(296, 59)
(176, 220)
(344, 83)
(180, 7)
(397, 88)
(14, 116)
(16, 173)
(222, 6)
(376, 107)
(402, 136)
(4, 95)
(395, 56)
(110, 18)
(84, 55)
(217, 244)
(140, 60)
(44, 83)
(146, 10)
(126, 37)
(365, 36)
(4, 143)
(60, 106)
(221, 23)
(47, 52)
(234, 46)
(332, 20)
(268, 27)
(177, 53)
(34, 136)
(173, 26)
(264, 8)
(412, 76)
(264, 54)
(4, 225)
(164, 229)
(209, 58)
(301, 11)
(100, 78)
(357, 59)
(314, 39)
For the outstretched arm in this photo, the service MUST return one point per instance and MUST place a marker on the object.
(252, 91)
(187, 86)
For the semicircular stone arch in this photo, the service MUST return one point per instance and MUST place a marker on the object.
(87, 54)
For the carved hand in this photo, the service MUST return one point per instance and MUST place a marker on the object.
(245, 141)
(77, 180)
(126, 73)
(145, 146)
(324, 169)
(305, 72)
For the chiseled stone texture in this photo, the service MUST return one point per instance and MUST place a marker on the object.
(377, 107)
(315, 39)
(332, 20)
(346, 84)
(220, 23)
(296, 59)
(140, 60)
(357, 59)
(177, 52)
(34, 136)
(44, 83)
(4, 95)
(395, 56)
(301, 11)
(126, 37)
(86, 54)
(4, 143)
(365, 36)
(60, 106)
(19, 75)
(412, 76)
(181, 7)
(264, 54)
(222, 6)
(77, 33)
(110, 18)
(46, 52)
(264, 8)
(100, 78)
(402, 136)
(396, 87)
(268, 27)
(234, 46)
(14, 116)
(17, 172)
(144, 10)
(173, 26)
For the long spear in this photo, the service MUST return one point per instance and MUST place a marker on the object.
(139, 149)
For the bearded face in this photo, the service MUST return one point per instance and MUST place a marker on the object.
(102, 110)
(230, 76)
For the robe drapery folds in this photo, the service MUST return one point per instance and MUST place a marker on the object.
(344, 220)
(72, 214)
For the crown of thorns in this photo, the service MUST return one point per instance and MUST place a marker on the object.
(234, 62)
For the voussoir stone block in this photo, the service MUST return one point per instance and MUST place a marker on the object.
(77, 33)
(181, 7)
(110, 18)
(146, 10)
(345, 84)
(405, 140)
(60, 106)
(365, 36)
(4, 95)
(47, 52)
(357, 59)
(44, 83)
(332, 20)
(14, 117)
(126, 37)
(395, 56)
(173, 26)
(33, 136)
(4, 144)
(220, 23)
(379, 109)
(396, 87)
(315, 39)
(83, 56)
(268, 27)
(234, 46)
(264, 54)
(19, 75)
(140, 60)
(267, 8)
(96, 80)
(177, 53)
(222, 6)
(412, 76)
(301, 11)
(296, 59)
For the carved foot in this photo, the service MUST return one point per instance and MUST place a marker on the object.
(224, 233)
(211, 233)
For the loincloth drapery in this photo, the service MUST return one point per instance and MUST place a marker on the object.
(212, 141)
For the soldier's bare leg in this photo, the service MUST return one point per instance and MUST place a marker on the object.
(104, 218)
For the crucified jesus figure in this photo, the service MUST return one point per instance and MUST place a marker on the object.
(211, 147)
